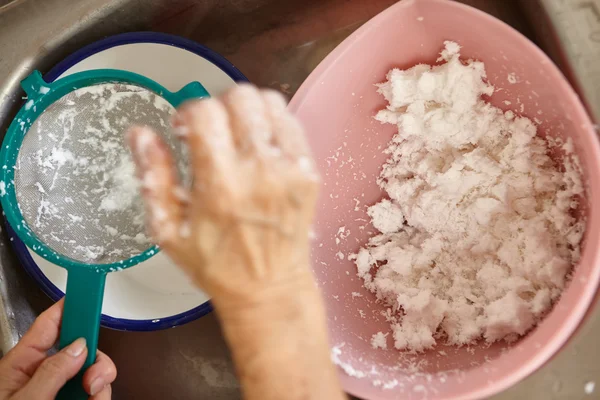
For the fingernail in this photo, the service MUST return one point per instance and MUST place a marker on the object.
(97, 386)
(181, 131)
(76, 348)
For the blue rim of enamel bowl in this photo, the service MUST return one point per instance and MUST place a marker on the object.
(21, 250)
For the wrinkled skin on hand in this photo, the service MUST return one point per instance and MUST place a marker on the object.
(242, 232)
(254, 187)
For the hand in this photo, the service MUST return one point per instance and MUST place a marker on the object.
(247, 231)
(242, 233)
(28, 373)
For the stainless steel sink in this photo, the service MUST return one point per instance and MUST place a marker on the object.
(277, 44)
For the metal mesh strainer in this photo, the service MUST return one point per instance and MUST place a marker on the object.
(75, 180)
(67, 184)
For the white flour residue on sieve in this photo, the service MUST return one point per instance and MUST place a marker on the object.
(75, 177)
(124, 186)
(478, 234)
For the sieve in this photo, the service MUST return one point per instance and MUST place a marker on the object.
(67, 186)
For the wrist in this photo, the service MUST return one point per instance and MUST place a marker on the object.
(278, 340)
(287, 312)
(271, 300)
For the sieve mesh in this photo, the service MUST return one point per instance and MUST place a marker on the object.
(75, 177)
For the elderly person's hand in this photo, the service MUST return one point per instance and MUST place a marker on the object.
(242, 234)
(28, 373)
(243, 228)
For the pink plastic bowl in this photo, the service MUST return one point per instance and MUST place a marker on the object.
(337, 104)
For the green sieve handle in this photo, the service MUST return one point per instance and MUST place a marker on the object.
(81, 318)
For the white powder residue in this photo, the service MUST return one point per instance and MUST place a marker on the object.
(336, 351)
(589, 387)
(341, 235)
(512, 78)
(379, 340)
(77, 188)
(215, 372)
(91, 252)
(2, 188)
(75, 218)
(386, 216)
(140, 238)
(124, 188)
(479, 233)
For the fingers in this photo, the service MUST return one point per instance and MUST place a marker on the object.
(160, 185)
(249, 122)
(105, 394)
(288, 134)
(44, 332)
(39, 376)
(55, 371)
(261, 124)
(31, 350)
(100, 375)
(209, 141)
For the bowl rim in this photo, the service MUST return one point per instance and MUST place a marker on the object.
(579, 312)
(21, 250)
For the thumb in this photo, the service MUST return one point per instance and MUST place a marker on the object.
(55, 371)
